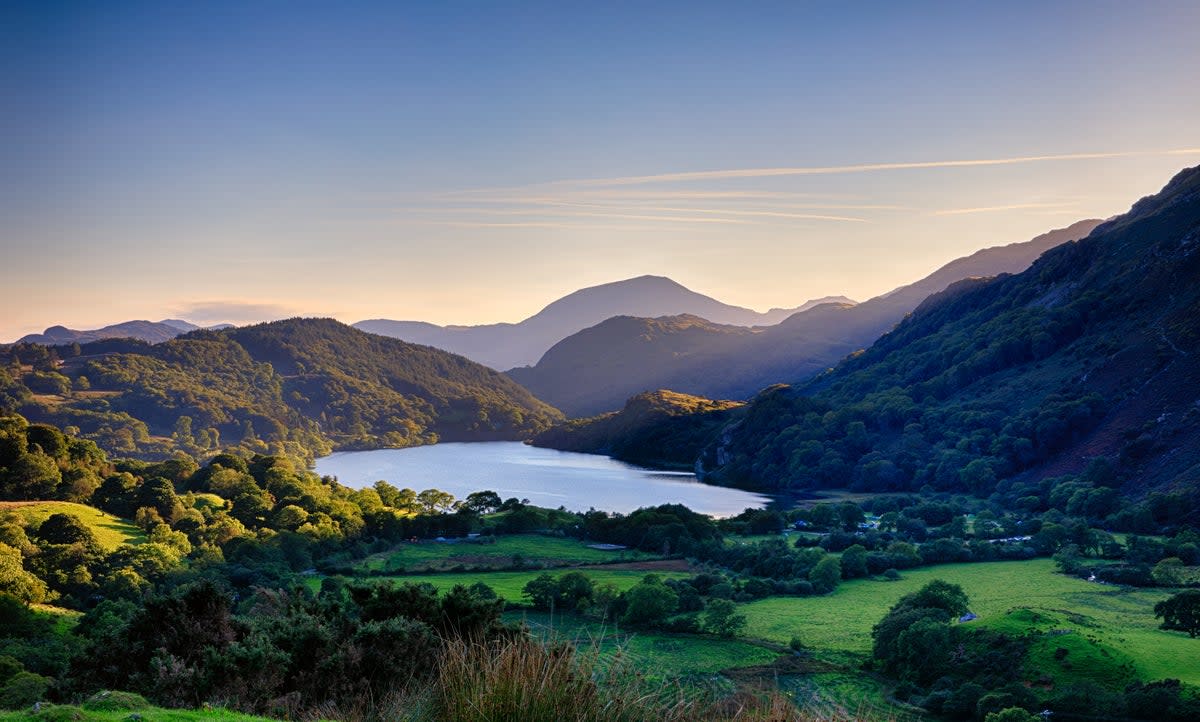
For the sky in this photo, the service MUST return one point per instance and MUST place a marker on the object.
(471, 162)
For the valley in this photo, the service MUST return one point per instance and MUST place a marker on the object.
(974, 497)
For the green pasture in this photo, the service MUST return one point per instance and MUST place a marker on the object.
(111, 532)
(1118, 621)
(493, 552)
(682, 655)
(510, 585)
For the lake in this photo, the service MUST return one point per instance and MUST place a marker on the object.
(544, 476)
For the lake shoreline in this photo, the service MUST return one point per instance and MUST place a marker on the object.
(546, 477)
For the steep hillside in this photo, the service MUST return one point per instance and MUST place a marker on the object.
(598, 368)
(305, 385)
(1089, 361)
(506, 345)
(624, 356)
(660, 428)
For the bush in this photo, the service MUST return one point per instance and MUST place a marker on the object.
(115, 701)
(23, 689)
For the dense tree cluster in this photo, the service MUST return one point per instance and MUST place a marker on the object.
(656, 428)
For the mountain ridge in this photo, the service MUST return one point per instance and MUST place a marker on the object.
(142, 330)
(584, 375)
(1084, 366)
(509, 345)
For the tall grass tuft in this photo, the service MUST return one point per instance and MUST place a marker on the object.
(523, 679)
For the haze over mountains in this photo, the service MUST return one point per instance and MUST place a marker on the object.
(507, 345)
(148, 331)
(597, 369)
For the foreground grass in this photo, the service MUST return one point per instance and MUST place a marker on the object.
(661, 656)
(502, 552)
(111, 532)
(1120, 620)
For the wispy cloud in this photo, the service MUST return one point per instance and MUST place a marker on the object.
(859, 168)
(573, 210)
(220, 311)
(561, 225)
(654, 201)
(513, 195)
(1060, 208)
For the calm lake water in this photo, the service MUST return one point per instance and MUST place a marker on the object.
(544, 476)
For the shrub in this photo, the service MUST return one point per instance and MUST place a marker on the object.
(115, 701)
(23, 689)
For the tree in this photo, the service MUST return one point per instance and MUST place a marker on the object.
(483, 502)
(721, 618)
(542, 591)
(649, 602)
(936, 602)
(1181, 612)
(947, 597)
(65, 529)
(854, 561)
(826, 575)
(32, 476)
(435, 501)
(183, 432)
(1168, 572)
(15, 581)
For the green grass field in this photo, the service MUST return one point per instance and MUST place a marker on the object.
(1121, 621)
(509, 585)
(110, 531)
(533, 549)
(658, 655)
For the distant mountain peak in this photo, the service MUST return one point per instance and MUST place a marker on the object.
(511, 345)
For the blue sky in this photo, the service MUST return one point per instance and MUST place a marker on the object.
(469, 162)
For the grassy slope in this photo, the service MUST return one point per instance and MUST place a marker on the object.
(533, 548)
(1121, 621)
(110, 531)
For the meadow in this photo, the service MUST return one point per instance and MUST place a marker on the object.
(659, 655)
(1105, 627)
(494, 553)
(510, 585)
(111, 531)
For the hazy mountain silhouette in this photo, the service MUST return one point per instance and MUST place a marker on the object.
(597, 369)
(505, 345)
(148, 331)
